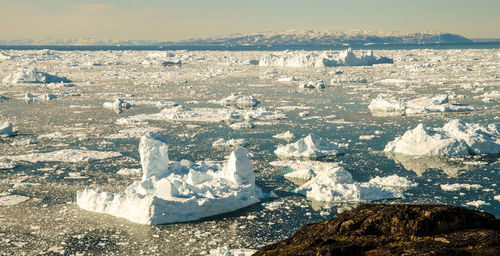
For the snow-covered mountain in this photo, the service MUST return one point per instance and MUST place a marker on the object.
(286, 38)
(326, 37)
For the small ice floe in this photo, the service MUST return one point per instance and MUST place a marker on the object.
(285, 136)
(7, 165)
(227, 251)
(32, 76)
(75, 176)
(318, 84)
(477, 203)
(7, 130)
(46, 97)
(237, 100)
(386, 105)
(497, 197)
(129, 171)
(311, 146)
(64, 155)
(134, 132)
(183, 191)
(393, 181)
(287, 79)
(10, 200)
(242, 125)
(222, 143)
(457, 187)
(181, 113)
(23, 142)
(161, 104)
(491, 96)
(118, 104)
(367, 137)
(454, 138)
(336, 185)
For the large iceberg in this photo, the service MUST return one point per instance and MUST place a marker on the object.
(321, 59)
(311, 146)
(32, 76)
(182, 191)
(454, 138)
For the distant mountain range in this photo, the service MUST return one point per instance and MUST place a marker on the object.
(286, 38)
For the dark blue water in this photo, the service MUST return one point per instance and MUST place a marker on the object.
(435, 46)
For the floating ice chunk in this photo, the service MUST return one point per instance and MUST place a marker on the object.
(7, 165)
(434, 104)
(491, 96)
(337, 185)
(285, 136)
(183, 191)
(242, 125)
(33, 76)
(311, 146)
(455, 138)
(64, 155)
(393, 181)
(12, 200)
(386, 106)
(477, 203)
(238, 100)
(7, 130)
(305, 174)
(318, 84)
(117, 104)
(227, 251)
(45, 96)
(457, 186)
(367, 137)
(497, 197)
(230, 143)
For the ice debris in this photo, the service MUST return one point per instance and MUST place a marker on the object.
(311, 146)
(227, 251)
(318, 84)
(11, 200)
(33, 76)
(118, 104)
(242, 125)
(457, 186)
(454, 138)
(230, 143)
(285, 136)
(183, 191)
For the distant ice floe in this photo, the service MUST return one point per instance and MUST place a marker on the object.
(237, 100)
(64, 155)
(32, 76)
(477, 203)
(311, 146)
(318, 84)
(181, 113)
(385, 105)
(43, 97)
(304, 59)
(129, 171)
(222, 143)
(491, 96)
(117, 104)
(330, 182)
(183, 191)
(454, 138)
(285, 136)
(457, 186)
(242, 125)
(7, 130)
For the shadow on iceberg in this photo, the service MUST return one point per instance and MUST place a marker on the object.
(179, 192)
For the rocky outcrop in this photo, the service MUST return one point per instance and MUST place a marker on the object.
(396, 230)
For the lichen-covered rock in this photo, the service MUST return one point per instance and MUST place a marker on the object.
(396, 230)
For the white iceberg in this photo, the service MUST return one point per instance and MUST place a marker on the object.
(183, 191)
(7, 130)
(336, 185)
(318, 84)
(386, 106)
(311, 146)
(454, 138)
(285, 136)
(30, 76)
(322, 59)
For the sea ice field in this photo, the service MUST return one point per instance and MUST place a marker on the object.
(122, 152)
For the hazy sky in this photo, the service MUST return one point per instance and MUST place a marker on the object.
(181, 19)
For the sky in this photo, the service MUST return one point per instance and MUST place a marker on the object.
(171, 20)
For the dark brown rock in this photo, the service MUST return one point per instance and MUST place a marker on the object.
(396, 230)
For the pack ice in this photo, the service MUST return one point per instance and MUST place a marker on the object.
(32, 76)
(183, 191)
(311, 146)
(303, 59)
(454, 138)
